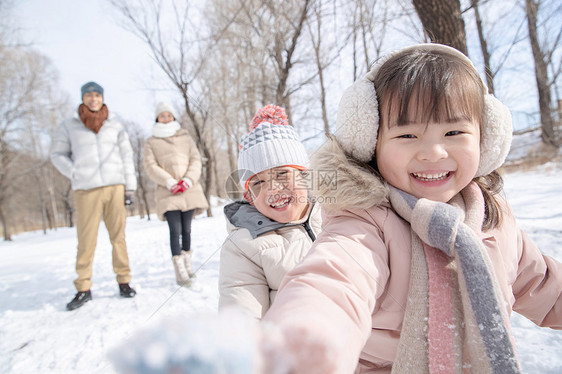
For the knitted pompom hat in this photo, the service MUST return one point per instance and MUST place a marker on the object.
(271, 143)
(164, 107)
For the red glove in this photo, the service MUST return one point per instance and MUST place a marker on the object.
(179, 188)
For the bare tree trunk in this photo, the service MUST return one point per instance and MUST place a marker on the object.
(50, 218)
(218, 190)
(355, 72)
(541, 75)
(364, 36)
(484, 48)
(316, 44)
(140, 204)
(144, 198)
(68, 211)
(7, 161)
(283, 56)
(141, 185)
(442, 22)
(42, 203)
(44, 216)
(232, 158)
(5, 228)
(209, 180)
(53, 203)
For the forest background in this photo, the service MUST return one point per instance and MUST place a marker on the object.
(220, 60)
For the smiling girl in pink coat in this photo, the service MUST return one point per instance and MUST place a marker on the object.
(420, 261)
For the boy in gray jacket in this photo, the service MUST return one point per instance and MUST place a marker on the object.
(274, 227)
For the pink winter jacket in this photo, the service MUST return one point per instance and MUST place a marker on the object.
(350, 292)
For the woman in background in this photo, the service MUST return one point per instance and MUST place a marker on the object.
(172, 161)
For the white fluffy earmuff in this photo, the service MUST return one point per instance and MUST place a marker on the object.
(358, 118)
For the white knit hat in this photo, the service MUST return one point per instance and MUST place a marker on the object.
(358, 118)
(271, 143)
(164, 107)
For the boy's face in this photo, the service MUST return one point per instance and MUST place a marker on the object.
(280, 194)
(434, 161)
(165, 117)
(93, 100)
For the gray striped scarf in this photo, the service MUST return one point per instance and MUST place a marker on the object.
(453, 319)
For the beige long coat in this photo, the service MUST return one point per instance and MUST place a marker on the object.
(175, 157)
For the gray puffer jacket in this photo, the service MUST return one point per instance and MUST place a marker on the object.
(93, 160)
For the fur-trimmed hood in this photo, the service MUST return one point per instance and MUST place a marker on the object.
(352, 185)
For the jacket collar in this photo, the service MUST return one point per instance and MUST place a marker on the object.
(353, 185)
(242, 214)
(76, 116)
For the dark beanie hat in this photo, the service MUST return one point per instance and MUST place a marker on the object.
(91, 87)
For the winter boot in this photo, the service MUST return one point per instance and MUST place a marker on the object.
(186, 255)
(126, 291)
(182, 276)
(81, 298)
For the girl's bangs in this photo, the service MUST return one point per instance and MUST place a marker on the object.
(430, 88)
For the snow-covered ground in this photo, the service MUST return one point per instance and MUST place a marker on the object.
(37, 334)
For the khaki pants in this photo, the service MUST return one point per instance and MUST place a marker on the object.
(90, 205)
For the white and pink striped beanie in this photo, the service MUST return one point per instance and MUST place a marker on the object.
(271, 143)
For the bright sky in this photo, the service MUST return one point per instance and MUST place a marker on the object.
(85, 43)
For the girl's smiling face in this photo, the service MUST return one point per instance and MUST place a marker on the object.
(431, 109)
(434, 161)
(280, 193)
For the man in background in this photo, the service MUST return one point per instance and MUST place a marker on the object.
(92, 149)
